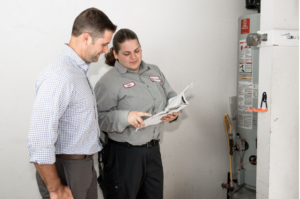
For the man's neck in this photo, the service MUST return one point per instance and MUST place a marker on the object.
(75, 45)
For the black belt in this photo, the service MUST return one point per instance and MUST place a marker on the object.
(148, 144)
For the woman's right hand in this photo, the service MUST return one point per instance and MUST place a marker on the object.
(135, 118)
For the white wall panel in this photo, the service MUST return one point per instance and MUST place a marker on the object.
(190, 40)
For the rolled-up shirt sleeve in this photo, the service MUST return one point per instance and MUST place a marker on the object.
(53, 95)
(109, 118)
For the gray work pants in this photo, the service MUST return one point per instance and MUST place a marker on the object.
(79, 175)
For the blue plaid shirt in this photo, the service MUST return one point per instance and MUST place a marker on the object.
(64, 117)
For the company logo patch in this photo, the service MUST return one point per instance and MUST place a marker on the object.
(129, 85)
(155, 78)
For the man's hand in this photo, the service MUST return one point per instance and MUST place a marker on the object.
(170, 117)
(51, 179)
(64, 192)
(135, 118)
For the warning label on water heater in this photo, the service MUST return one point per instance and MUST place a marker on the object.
(246, 86)
(245, 26)
(245, 62)
(244, 101)
(245, 52)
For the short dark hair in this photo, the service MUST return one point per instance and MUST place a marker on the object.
(120, 37)
(92, 21)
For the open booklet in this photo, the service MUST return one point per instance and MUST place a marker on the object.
(175, 104)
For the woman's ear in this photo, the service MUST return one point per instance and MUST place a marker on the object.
(115, 54)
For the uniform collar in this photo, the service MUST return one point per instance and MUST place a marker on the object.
(122, 69)
(144, 67)
(75, 57)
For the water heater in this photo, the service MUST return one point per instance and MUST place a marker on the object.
(247, 94)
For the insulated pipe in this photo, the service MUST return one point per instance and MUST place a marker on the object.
(227, 125)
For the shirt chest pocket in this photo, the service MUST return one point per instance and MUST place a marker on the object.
(155, 84)
(83, 101)
(135, 99)
(81, 108)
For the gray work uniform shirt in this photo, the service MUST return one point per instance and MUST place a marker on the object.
(120, 91)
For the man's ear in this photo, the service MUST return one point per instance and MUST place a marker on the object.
(115, 54)
(86, 38)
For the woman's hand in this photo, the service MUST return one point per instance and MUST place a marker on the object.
(170, 117)
(135, 118)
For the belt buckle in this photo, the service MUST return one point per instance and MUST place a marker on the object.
(149, 144)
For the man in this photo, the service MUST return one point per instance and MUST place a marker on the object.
(64, 132)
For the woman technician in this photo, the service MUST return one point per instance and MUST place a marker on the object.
(128, 93)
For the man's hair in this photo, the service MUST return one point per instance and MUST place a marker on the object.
(92, 21)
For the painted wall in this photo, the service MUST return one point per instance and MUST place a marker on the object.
(190, 40)
(278, 129)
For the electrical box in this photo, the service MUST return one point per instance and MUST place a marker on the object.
(239, 144)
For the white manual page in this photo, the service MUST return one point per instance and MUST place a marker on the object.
(175, 104)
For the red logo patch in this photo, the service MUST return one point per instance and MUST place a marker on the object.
(155, 78)
(129, 85)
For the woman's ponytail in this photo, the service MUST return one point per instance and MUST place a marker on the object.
(110, 58)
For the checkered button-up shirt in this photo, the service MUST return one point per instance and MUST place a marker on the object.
(64, 116)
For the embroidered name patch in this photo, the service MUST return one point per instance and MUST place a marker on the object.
(129, 85)
(155, 78)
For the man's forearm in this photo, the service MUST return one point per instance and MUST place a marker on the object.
(50, 176)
